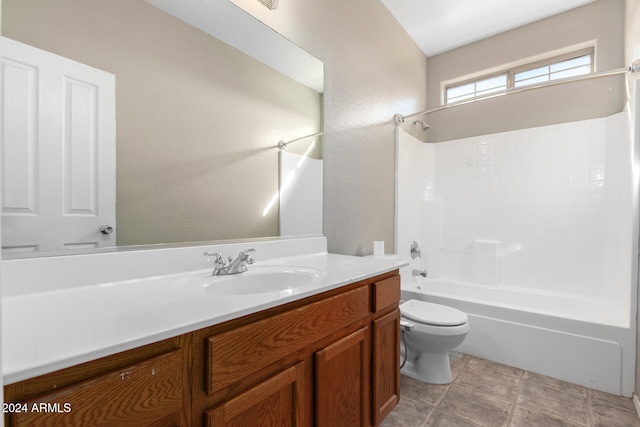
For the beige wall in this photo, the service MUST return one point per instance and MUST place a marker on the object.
(372, 71)
(601, 21)
(197, 120)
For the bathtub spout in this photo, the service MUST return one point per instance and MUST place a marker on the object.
(422, 273)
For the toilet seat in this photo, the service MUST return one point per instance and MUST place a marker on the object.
(432, 314)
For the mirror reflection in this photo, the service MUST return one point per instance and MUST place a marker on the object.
(195, 125)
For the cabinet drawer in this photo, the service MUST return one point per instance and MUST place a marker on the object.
(136, 395)
(233, 355)
(386, 293)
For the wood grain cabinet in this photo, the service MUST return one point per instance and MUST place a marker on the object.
(276, 401)
(328, 360)
(386, 347)
(147, 386)
(386, 365)
(342, 382)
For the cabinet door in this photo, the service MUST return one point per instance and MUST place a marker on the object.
(145, 394)
(342, 382)
(252, 348)
(386, 365)
(274, 402)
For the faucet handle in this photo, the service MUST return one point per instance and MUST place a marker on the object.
(247, 258)
(415, 250)
(217, 255)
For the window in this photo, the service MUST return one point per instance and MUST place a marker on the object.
(558, 67)
(477, 88)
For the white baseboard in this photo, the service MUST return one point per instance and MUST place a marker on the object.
(636, 403)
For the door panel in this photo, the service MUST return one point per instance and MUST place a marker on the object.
(386, 365)
(275, 402)
(342, 382)
(58, 151)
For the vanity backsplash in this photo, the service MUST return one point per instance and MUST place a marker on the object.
(45, 274)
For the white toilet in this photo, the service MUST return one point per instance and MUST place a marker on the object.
(431, 331)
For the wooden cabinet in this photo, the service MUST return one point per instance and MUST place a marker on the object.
(342, 382)
(148, 393)
(276, 401)
(147, 386)
(386, 365)
(259, 348)
(328, 360)
(386, 347)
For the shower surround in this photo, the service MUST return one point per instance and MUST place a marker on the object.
(520, 220)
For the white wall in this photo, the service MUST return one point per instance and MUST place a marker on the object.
(553, 197)
(414, 186)
(300, 195)
(546, 208)
(632, 52)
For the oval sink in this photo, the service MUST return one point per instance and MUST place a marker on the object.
(257, 280)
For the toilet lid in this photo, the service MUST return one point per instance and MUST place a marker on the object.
(432, 314)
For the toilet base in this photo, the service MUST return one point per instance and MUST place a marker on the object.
(430, 368)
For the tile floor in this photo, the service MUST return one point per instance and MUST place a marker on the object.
(484, 393)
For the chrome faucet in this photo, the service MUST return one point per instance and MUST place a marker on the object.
(239, 265)
(218, 263)
(235, 266)
(421, 273)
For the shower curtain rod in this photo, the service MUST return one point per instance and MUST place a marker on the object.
(283, 144)
(399, 118)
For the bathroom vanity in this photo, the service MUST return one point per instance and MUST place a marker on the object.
(326, 356)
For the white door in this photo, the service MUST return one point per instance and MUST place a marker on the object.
(58, 151)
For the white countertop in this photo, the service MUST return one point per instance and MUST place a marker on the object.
(48, 330)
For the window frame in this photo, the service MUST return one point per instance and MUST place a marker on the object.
(512, 71)
(476, 80)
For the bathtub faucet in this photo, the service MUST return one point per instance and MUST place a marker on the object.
(422, 273)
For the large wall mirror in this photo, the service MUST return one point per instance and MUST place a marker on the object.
(197, 118)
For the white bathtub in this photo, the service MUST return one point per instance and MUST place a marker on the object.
(582, 340)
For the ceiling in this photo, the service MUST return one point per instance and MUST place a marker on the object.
(441, 25)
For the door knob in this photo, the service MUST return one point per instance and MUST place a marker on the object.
(106, 229)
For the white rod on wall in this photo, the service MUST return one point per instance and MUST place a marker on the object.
(399, 118)
(283, 144)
